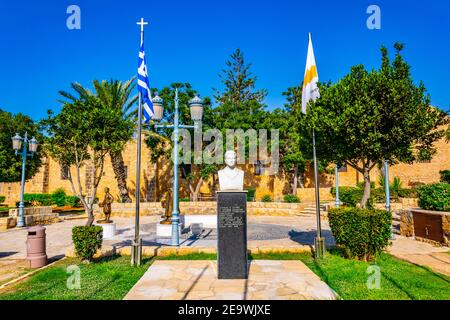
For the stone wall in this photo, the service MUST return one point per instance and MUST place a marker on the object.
(33, 216)
(155, 178)
(203, 208)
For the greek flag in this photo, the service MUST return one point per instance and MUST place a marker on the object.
(144, 86)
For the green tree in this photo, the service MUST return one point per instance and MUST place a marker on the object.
(160, 141)
(82, 135)
(240, 104)
(294, 144)
(369, 116)
(114, 95)
(11, 164)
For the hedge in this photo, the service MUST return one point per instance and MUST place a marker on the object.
(87, 240)
(445, 176)
(361, 233)
(58, 198)
(289, 198)
(435, 197)
(2, 199)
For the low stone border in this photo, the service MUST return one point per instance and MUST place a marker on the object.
(155, 251)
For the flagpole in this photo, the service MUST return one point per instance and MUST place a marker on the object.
(136, 252)
(319, 242)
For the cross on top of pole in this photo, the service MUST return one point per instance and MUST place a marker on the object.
(142, 23)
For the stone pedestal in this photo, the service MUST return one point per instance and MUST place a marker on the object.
(232, 235)
(109, 229)
(165, 230)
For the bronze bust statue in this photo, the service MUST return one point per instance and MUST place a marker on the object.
(106, 205)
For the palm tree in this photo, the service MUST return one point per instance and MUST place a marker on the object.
(115, 95)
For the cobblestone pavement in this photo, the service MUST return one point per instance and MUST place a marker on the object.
(197, 280)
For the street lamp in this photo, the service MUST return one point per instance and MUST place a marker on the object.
(21, 143)
(196, 106)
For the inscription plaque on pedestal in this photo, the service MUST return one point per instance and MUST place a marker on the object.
(232, 234)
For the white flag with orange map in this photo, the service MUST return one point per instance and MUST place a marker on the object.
(310, 88)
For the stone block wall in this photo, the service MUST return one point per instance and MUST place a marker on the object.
(203, 208)
(31, 211)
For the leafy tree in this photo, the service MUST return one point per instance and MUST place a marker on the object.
(114, 95)
(160, 141)
(294, 144)
(240, 105)
(369, 116)
(239, 82)
(82, 135)
(10, 164)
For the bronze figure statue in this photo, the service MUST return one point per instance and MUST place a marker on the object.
(106, 205)
(167, 204)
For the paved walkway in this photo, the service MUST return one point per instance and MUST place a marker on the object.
(197, 280)
(421, 253)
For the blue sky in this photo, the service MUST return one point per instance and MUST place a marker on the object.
(189, 41)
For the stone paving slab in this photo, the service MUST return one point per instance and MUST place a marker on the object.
(197, 280)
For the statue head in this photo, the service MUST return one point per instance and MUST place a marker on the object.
(106, 190)
(230, 158)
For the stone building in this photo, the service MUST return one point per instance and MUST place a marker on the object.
(155, 178)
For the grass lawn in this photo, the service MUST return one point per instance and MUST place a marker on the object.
(106, 279)
(400, 280)
(112, 278)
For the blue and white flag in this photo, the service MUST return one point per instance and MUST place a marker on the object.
(144, 86)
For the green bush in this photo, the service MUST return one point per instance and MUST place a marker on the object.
(73, 201)
(289, 198)
(408, 193)
(2, 199)
(351, 196)
(59, 197)
(445, 176)
(26, 204)
(251, 194)
(185, 200)
(38, 199)
(267, 198)
(435, 197)
(87, 240)
(361, 233)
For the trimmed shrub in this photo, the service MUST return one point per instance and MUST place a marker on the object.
(2, 199)
(87, 240)
(351, 196)
(445, 176)
(408, 193)
(73, 201)
(361, 233)
(435, 197)
(59, 197)
(289, 198)
(251, 194)
(26, 204)
(38, 199)
(185, 200)
(267, 198)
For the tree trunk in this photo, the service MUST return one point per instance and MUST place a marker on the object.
(90, 219)
(366, 196)
(120, 175)
(295, 182)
